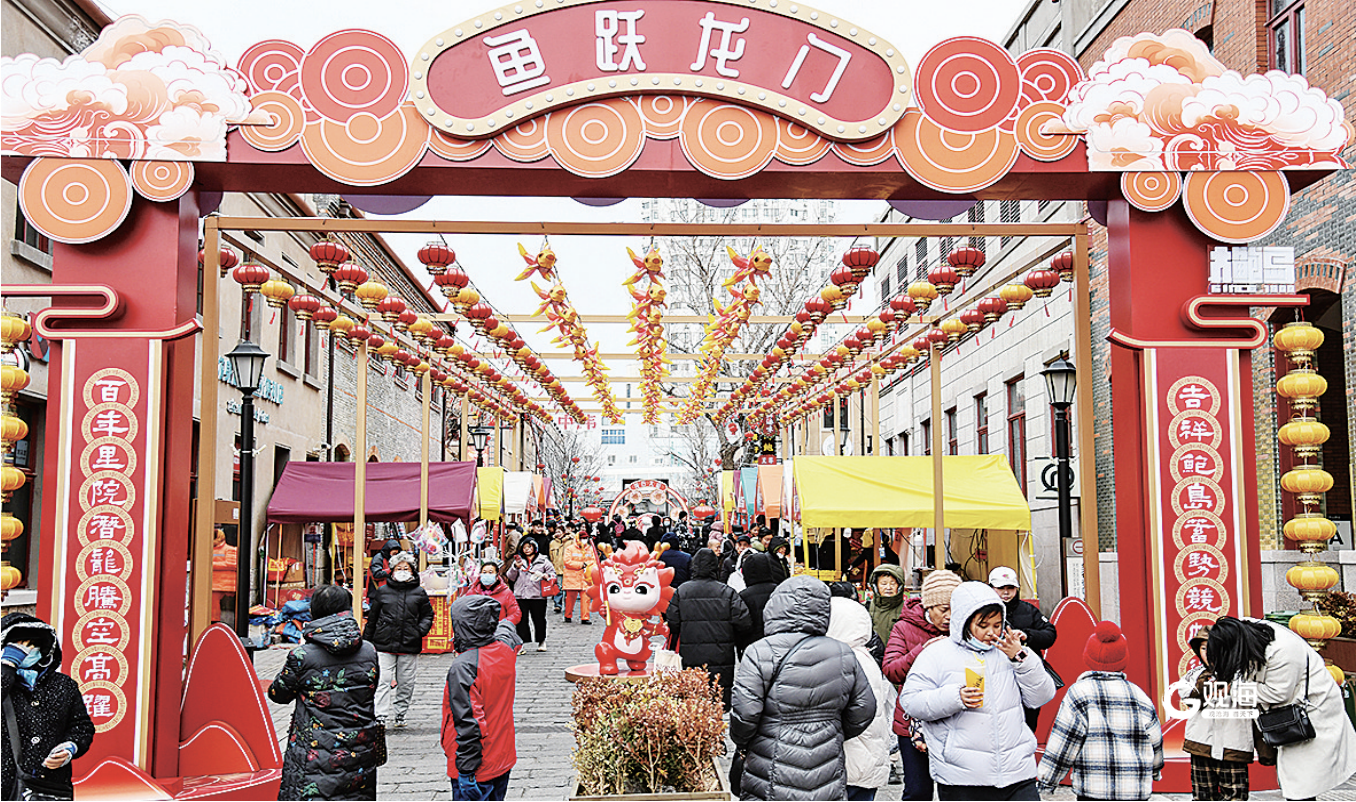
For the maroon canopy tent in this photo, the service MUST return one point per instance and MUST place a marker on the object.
(323, 492)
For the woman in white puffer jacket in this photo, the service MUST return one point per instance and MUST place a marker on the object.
(868, 755)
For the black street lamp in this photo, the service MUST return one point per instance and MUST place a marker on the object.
(480, 440)
(1061, 384)
(247, 364)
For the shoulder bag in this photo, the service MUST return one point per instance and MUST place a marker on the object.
(1288, 724)
(737, 763)
(21, 789)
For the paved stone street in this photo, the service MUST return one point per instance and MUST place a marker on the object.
(417, 767)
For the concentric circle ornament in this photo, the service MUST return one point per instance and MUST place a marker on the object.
(799, 145)
(1236, 207)
(1048, 74)
(1151, 191)
(162, 181)
(726, 141)
(273, 64)
(75, 200)
(457, 150)
(1039, 146)
(968, 84)
(289, 120)
(354, 71)
(951, 161)
(596, 140)
(869, 153)
(367, 150)
(663, 114)
(524, 142)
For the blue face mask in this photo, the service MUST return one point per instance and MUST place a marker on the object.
(978, 645)
(26, 672)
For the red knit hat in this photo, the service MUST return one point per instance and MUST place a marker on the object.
(1106, 649)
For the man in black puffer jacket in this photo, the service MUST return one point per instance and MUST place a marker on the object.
(706, 620)
(400, 617)
(759, 583)
(792, 727)
(54, 727)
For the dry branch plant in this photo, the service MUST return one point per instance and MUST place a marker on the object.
(648, 737)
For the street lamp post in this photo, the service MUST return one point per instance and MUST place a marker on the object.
(1061, 383)
(247, 364)
(480, 440)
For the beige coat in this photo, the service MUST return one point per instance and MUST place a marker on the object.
(1314, 767)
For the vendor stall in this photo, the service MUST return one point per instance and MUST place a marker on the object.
(983, 507)
(520, 496)
(769, 501)
(490, 493)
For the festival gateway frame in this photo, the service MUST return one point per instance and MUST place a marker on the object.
(120, 150)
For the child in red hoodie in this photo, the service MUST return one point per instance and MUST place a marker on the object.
(478, 732)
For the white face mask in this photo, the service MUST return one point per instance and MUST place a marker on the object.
(403, 576)
(488, 579)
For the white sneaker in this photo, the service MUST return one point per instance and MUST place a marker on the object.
(541, 647)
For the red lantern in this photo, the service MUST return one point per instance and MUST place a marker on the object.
(1063, 264)
(889, 318)
(358, 333)
(853, 344)
(944, 278)
(437, 257)
(402, 356)
(226, 259)
(936, 335)
(350, 276)
(993, 308)
(404, 320)
(749, 437)
(1041, 282)
(818, 309)
(591, 514)
(375, 341)
(804, 318)
(250, 276)
(304, 306)
(479, 312)
(328, 255)
(965, 260)
(903, 305)
(445, 283)
(973, 320)
(843, 278)
(390, 308)
(323, 317)
(703, 511)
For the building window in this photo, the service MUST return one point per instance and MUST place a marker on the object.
(614, 437)
(843, 414)
(1009, 211)
(25, 232)
(312, 366)
(982, 423)
(902, 268)
(976, 215)
(948, 245)
(952, 441)
(1017, 431)
(828, 416)
(1287, 36)
(927, 438)
(885, 286)
(633, 459)
(251, 318)
(611, 459)
(904, 444)
(287, 331)
(920, 251)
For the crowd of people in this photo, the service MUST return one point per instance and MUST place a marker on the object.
(831, 693)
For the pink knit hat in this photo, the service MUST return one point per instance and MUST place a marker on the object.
(937, 587)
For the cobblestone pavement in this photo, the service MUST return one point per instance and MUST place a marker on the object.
(417, 767)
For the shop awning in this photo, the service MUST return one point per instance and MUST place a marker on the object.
(322, 492)
(980, 492)
(748, 493)
(490, 493)
(519, 498)
(770, 490)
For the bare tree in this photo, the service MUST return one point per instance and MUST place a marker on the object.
(571, 461)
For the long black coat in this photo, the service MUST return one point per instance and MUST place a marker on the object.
(794, 728)
(333, 745)
(759, 584)
(400, 617)
(49, 715)
(706, 619)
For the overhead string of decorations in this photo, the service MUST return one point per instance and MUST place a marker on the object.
(647, 324)
(562, 316)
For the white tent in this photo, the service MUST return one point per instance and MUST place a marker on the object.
(519, 498)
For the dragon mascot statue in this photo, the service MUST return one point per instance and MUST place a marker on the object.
(631, 588)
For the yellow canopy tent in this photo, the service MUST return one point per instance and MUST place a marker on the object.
(770, 490)
(979, 492)
(490, 493)
(727, 495)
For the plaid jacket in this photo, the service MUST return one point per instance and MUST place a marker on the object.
(1107, 733)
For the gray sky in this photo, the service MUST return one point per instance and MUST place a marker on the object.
(592, 268)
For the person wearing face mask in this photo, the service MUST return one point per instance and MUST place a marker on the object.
(968, 692)
(921, 620)
(527, 573)
(400, 617)
(45, 722)
(489, 583)
(1025, 619)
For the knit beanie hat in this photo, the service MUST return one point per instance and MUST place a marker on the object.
(937, 587)
(1106, 649)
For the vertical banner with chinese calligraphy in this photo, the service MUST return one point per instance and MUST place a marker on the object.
(1198, 528)
(104, 567)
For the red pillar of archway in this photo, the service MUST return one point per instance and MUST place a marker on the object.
(116, 515)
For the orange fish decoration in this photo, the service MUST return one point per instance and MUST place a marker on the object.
(543, 263)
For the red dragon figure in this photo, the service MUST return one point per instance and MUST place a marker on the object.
(633, 586)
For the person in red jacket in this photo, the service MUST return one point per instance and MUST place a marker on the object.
(920, 620)
(489, 583)
(477, 734)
